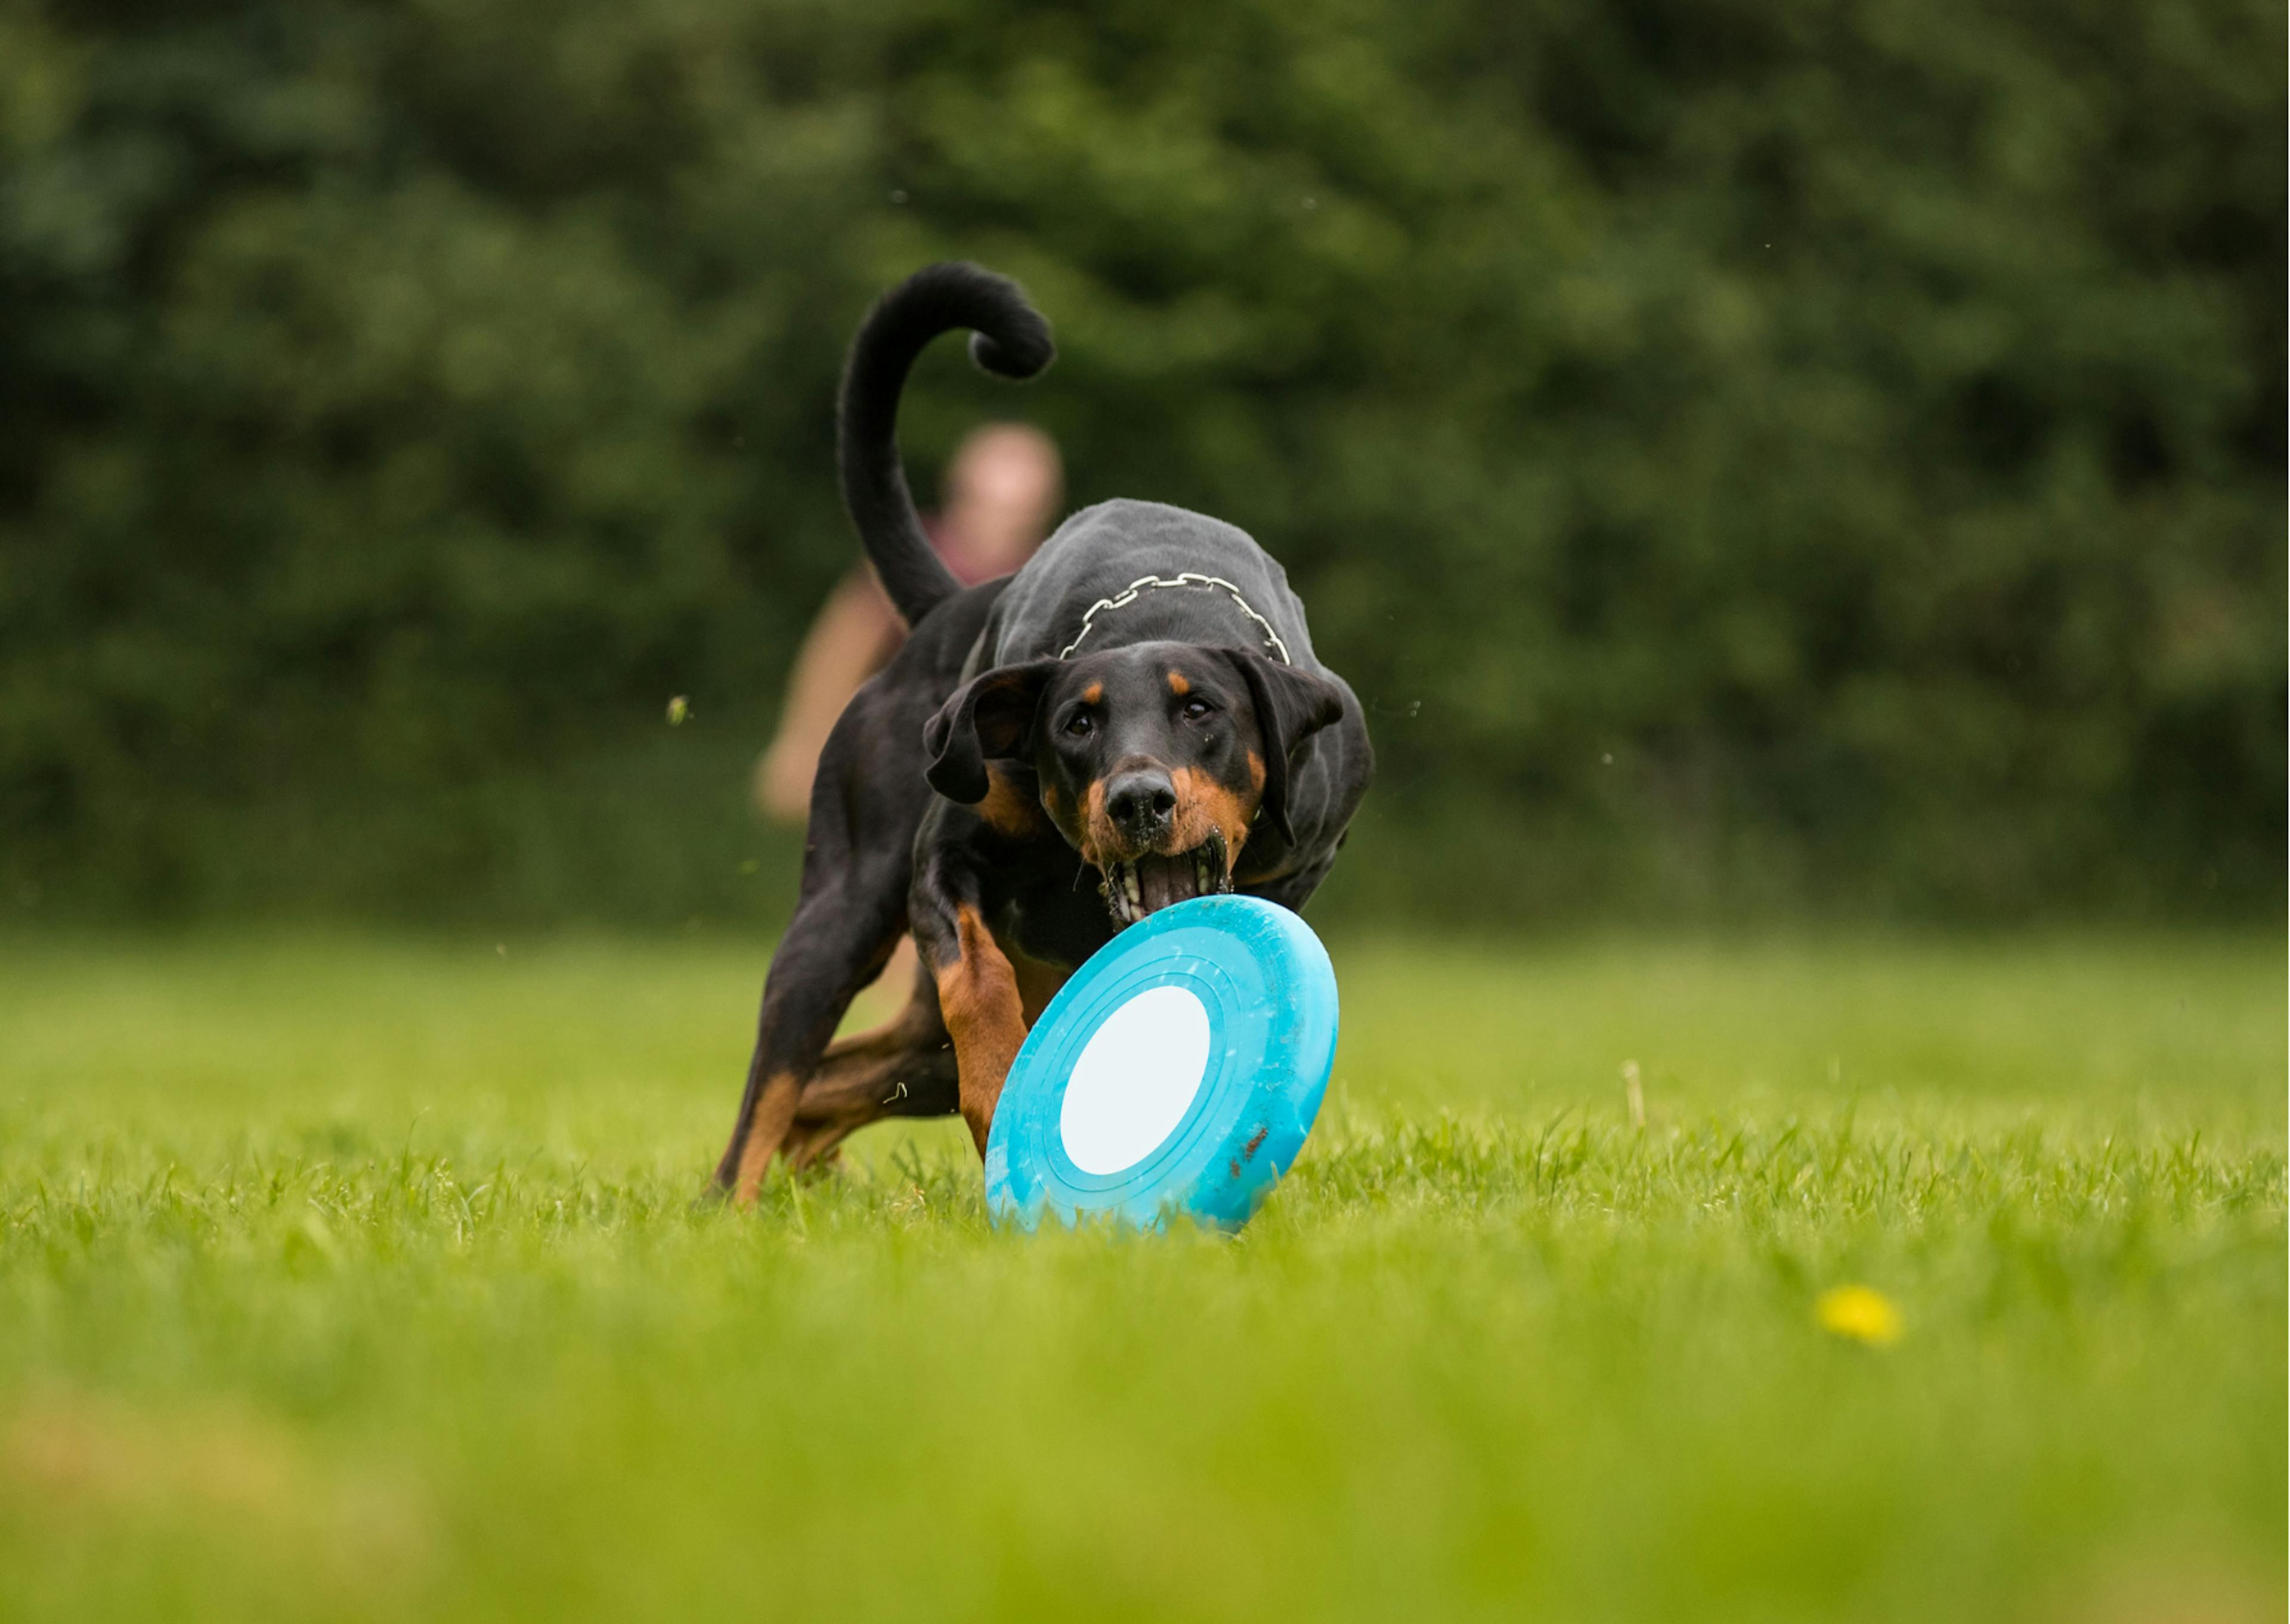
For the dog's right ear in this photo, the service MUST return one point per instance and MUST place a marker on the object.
(989, 717)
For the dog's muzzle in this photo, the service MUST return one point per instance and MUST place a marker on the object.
(1138, 886)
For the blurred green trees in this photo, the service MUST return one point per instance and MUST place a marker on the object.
(1786, 455)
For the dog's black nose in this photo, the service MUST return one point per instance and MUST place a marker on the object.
(1141, 802)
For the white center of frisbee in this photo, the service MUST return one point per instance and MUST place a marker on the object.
(1135, 1079)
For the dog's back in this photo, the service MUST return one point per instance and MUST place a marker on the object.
(1134, 572)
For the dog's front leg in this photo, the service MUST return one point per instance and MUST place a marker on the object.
(977, 987)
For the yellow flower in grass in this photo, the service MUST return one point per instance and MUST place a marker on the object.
(1859, 1313)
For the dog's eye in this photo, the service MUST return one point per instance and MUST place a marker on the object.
(1196, 709)
(1081, 725)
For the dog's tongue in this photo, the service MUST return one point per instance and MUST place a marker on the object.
(1164, 880)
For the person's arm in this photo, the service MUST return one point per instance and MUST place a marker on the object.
(855, 634)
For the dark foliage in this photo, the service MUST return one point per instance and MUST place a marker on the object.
(1779, 454)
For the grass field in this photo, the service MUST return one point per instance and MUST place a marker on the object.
(348, 1278)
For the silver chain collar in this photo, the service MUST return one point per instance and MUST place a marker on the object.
(1151, 583)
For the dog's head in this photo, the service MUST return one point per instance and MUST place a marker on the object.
(1155, 761)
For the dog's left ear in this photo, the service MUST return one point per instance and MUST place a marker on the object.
(1291, 705)
(989, 717)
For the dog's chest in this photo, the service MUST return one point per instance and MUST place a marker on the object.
(1056, 920)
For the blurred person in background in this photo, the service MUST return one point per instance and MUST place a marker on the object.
(1001, 491)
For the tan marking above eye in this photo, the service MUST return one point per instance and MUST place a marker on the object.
(1093, 695)
(1178, 686)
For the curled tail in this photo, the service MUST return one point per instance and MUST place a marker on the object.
(1009, 338)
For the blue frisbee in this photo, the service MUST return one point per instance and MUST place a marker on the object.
(1175, 1075)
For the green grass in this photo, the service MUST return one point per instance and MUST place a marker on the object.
(355, 1278)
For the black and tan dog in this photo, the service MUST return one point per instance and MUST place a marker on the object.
(1133, 718)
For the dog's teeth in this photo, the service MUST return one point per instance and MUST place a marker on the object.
(1129, 884)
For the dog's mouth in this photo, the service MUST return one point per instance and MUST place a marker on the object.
(1138, 886)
